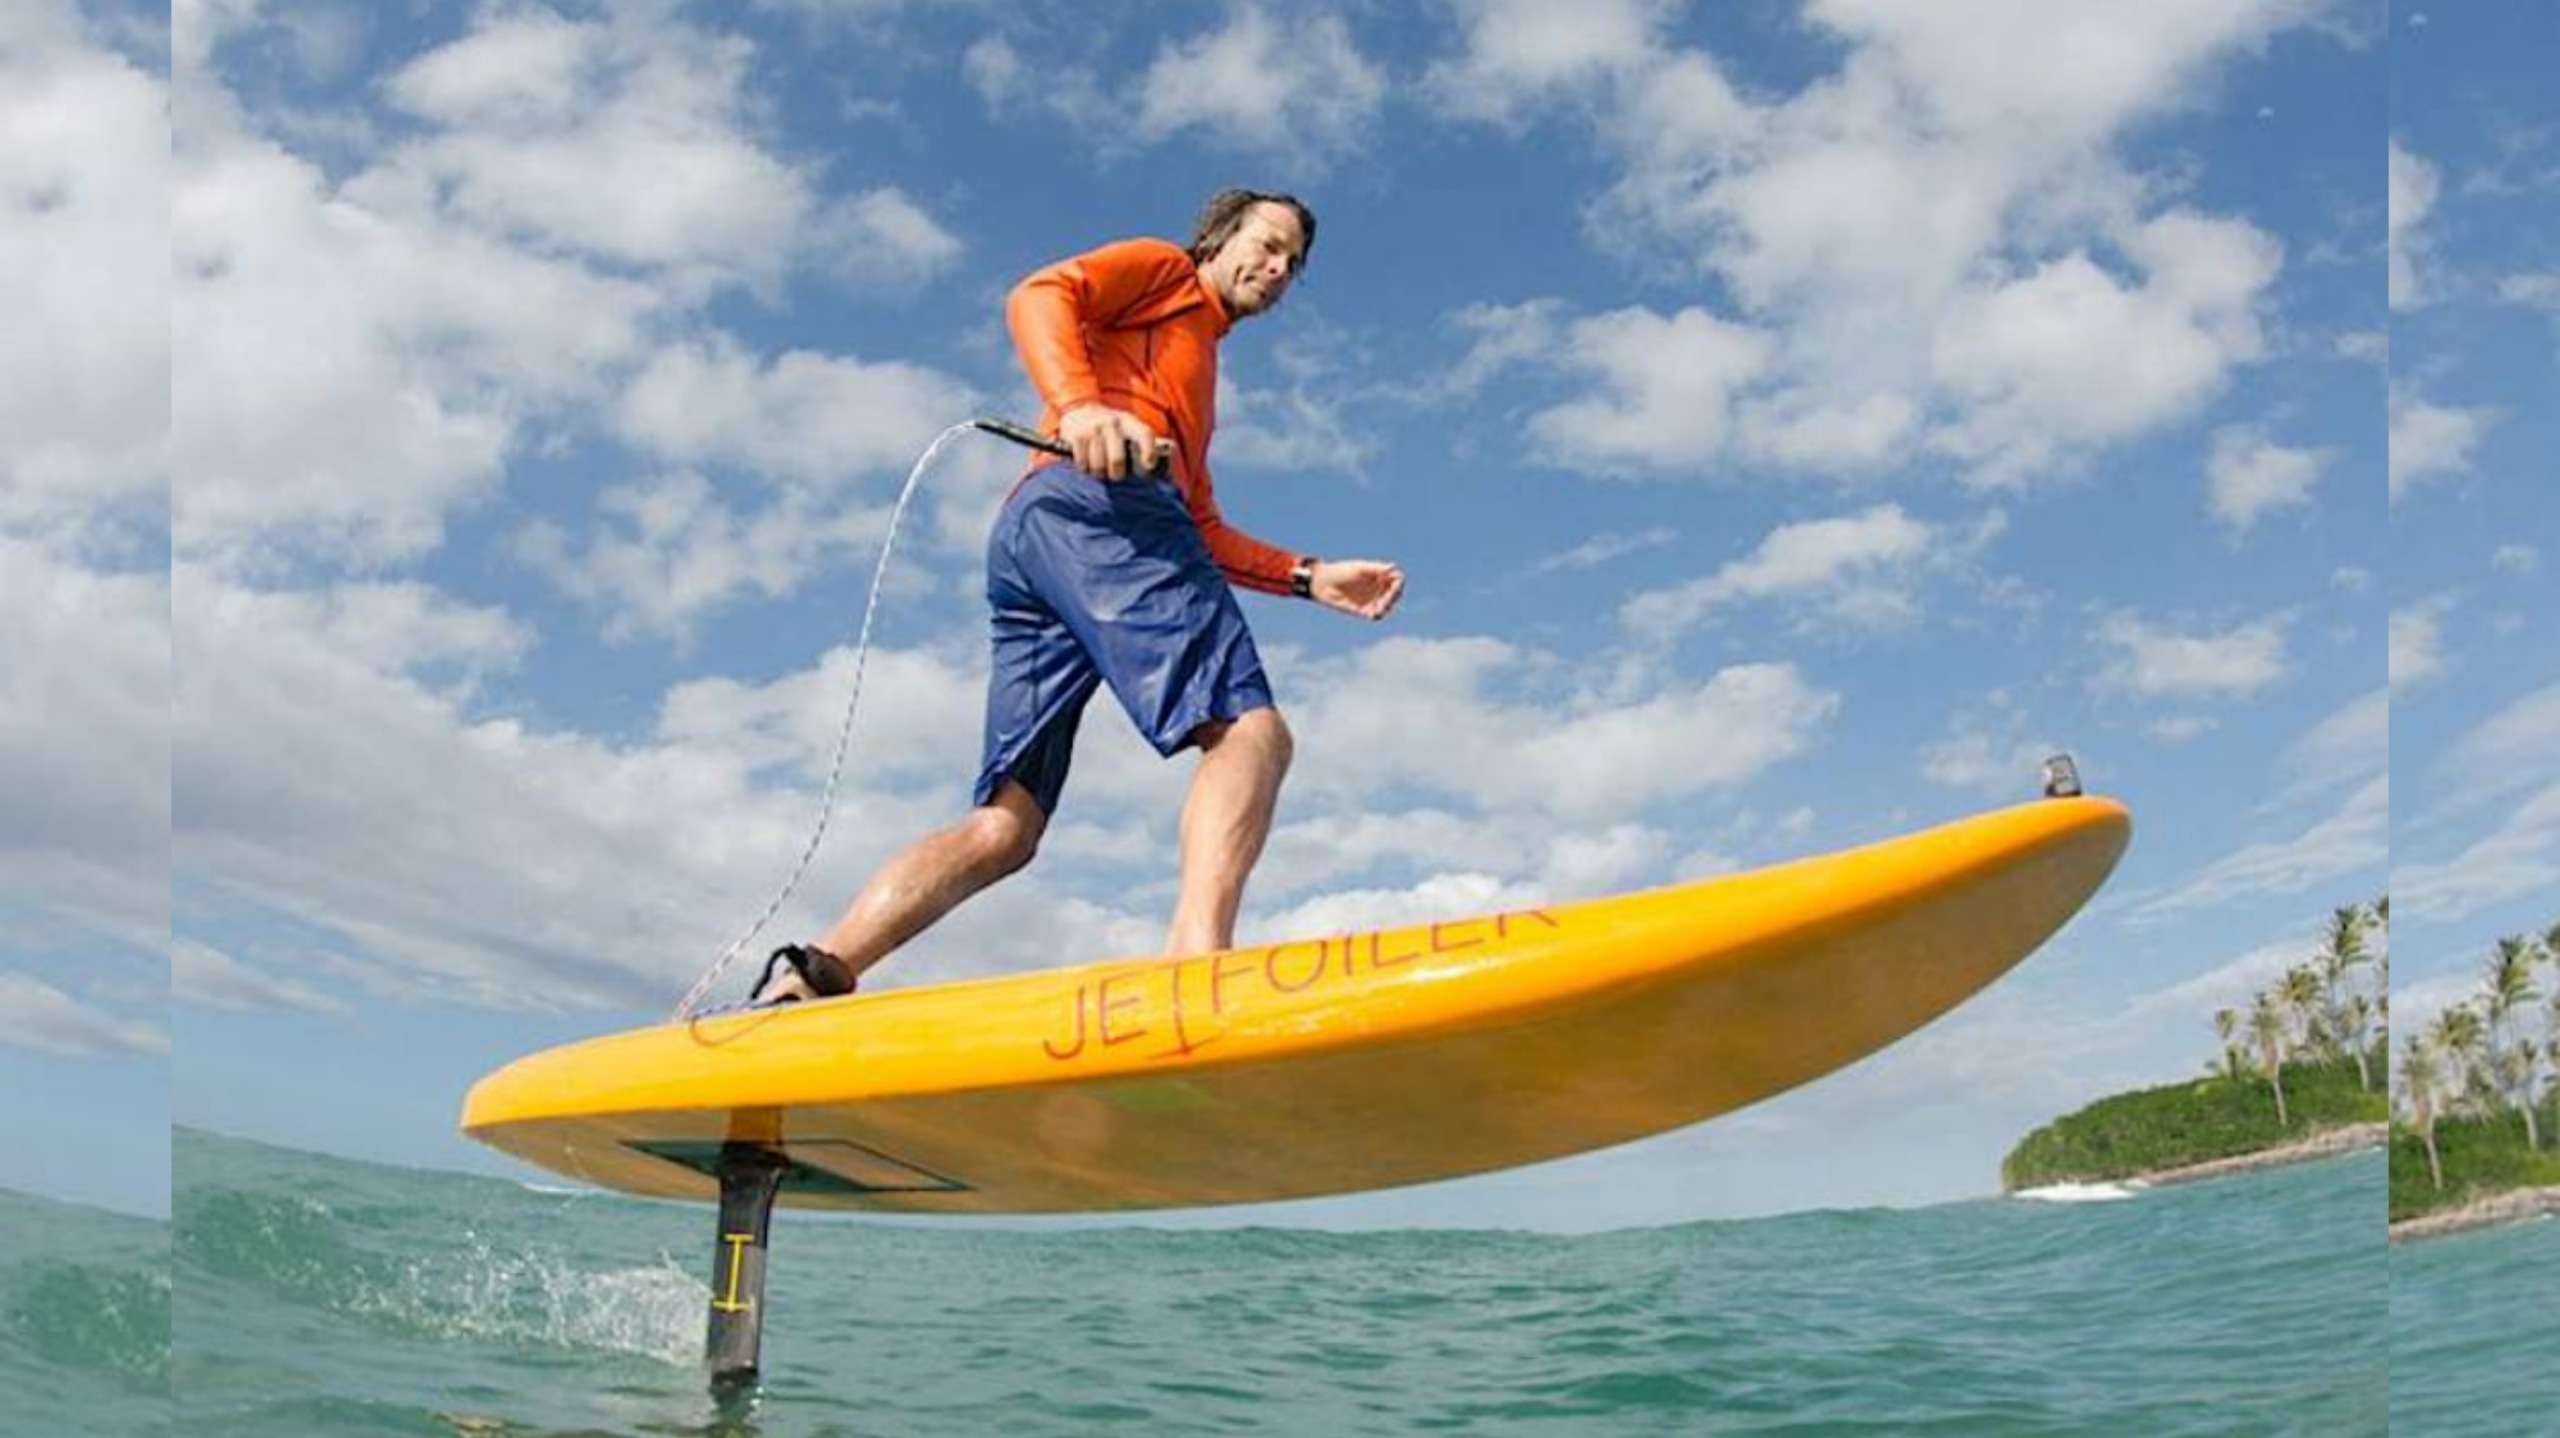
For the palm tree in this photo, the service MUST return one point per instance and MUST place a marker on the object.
(2267, 1029)
(2304, 1001)
(2456, 1038)
(2520, 1072)
(2420, 1072)
(2382, 960)
(2551, 955)
(2551, 1025)
(2339, 956)
(2513, 1063)
(2226, 1024)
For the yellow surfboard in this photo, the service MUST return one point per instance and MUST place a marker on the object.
(1321, 1065)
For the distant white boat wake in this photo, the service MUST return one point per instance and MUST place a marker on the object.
(2081, 1192)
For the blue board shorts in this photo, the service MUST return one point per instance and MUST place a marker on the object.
(1094, 582)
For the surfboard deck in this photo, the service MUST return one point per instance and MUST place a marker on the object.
(1322, 1065)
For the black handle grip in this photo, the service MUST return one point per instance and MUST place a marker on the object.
(1030, 438)
(1022, 435)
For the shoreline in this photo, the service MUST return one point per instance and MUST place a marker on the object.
(2325, 1143)
(2488, 1210)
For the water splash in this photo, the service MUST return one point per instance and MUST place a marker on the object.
(2080, 1193)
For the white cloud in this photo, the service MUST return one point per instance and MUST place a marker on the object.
(1663, 395)
(204, 975)
(359, 359)
(2250, 475)
(1858, 569)
(1284, 83)
(918, 723)
(783, 465)
(666, 551)
(1436, 715)
(489, 860)
(2176, 729)
(1364, 844)
(2519, 858)
(2069, 357)
(1522, 53)
(1937, 239)
(1296, 428)
(84, 282)
(2413, 186)
(2228, 985)
(2431, 442)
(1987, 753)
(882, 239)
(2163, 663)
(2417, 643)
(396, 626)
(629, 139)
(1341, 844)
(40, 1018)
(84, 745)
(995, 69)
(2345, 843)
(345, 379)
(1802, 429)
(1443, 896)
(493, 861)
(2517, 748)
(2352, 744)
(1296, 86)
(2516, 559)
(825, 422)
(2539, 291)
(1500, 339)
(1602, 550)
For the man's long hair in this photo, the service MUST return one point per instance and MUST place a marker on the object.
(1226, 210)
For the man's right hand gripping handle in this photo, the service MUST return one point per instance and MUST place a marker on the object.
(1112, 443)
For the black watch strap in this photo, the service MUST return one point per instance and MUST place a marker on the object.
(1302, 580)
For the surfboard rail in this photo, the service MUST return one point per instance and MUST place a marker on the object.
(1325, 1064)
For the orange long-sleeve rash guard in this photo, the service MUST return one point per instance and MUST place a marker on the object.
(1131, 325)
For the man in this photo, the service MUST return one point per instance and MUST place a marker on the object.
(1116, 568)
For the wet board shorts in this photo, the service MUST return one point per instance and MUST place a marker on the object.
(1098, 582)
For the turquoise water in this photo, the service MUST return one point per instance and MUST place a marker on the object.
(2475, 1332)
(84, 1320)
(321, 1296)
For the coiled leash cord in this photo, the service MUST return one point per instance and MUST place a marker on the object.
(861, 655)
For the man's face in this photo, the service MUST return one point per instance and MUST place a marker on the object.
(1253, 268)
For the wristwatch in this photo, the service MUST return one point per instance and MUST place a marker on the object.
(1302, 580)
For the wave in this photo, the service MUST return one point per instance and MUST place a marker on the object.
(376, 1263)
(84, 1319)
(2082, 1192)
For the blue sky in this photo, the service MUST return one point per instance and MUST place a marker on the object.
(2475, 345)
(1793, 420)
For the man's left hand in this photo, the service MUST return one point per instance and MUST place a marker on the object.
(1366, 588)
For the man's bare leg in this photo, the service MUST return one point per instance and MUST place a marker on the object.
(1224, 823)
(927, 880)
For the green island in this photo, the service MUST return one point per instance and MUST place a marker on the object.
(2158, 1133)
(2300, 1074)
(2475, 1129)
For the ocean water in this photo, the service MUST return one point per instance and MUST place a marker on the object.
(84, 1320)
(2475, 1332)
(321, 1296)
